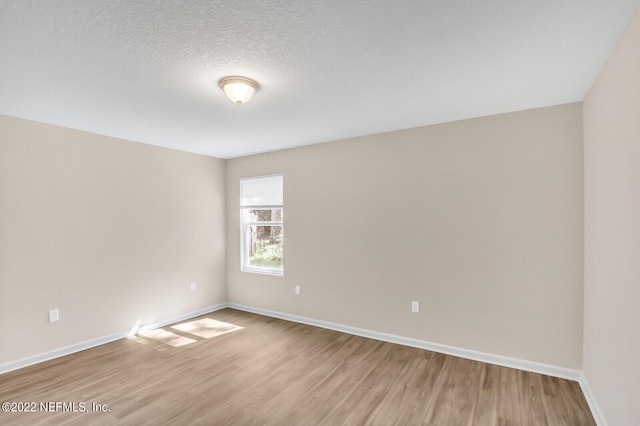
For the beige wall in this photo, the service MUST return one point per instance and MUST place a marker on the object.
(109, 232)
(481, 221)
(612, 233)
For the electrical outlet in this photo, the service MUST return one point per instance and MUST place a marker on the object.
(415, 306)
(297, 289)
(54, 315)
(193, 287)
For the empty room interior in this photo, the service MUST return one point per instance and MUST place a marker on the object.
(299, 213)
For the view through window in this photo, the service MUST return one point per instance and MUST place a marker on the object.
(262, 224)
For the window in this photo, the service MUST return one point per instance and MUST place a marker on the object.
(261, 221)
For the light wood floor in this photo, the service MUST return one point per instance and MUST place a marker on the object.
(232, 367)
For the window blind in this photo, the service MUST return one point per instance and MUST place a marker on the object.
(264, 191)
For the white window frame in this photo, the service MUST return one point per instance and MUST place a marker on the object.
(246, 224)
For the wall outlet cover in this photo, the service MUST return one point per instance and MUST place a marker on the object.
(54, 315)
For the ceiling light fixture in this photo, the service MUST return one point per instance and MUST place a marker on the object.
(238, 89)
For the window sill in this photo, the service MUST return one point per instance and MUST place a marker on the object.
(264, 271)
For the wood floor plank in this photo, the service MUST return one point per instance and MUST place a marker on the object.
(236, 368)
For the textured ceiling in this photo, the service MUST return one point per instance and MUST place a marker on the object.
(147, 70)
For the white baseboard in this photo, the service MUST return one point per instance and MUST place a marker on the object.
(591, 400)
(67, 350)
(534, 367)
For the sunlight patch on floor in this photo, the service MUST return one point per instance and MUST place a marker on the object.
(182, 334)
(206, 328)
(163, 337)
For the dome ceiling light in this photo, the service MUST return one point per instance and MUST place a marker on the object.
(238, 89)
